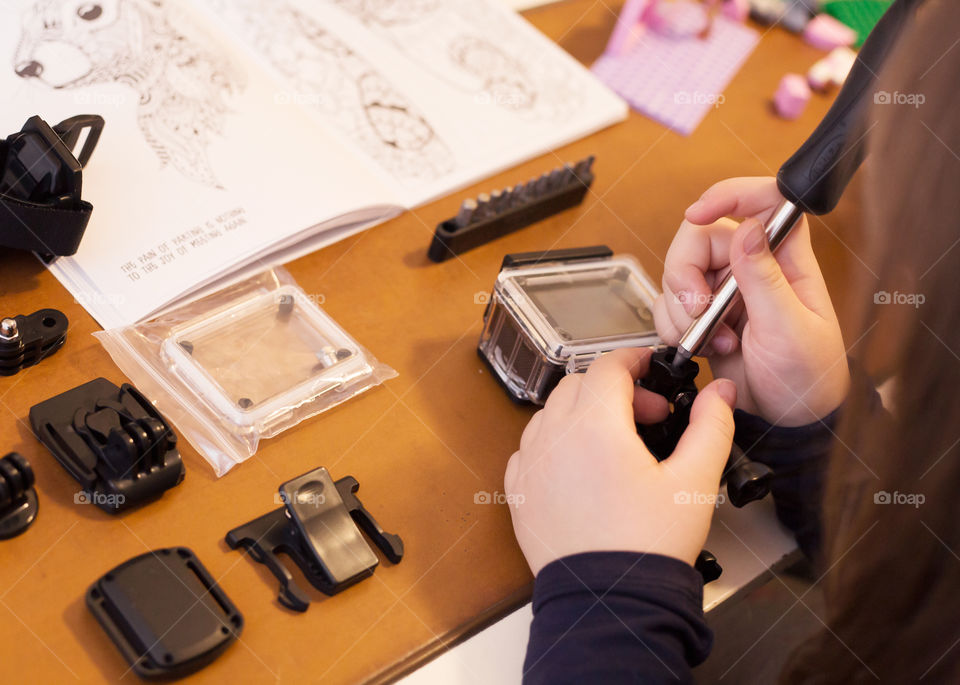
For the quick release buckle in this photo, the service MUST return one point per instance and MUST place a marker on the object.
(41, 183)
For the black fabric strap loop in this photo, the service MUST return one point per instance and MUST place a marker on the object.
(43, 229)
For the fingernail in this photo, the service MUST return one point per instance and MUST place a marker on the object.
(722, 344)
(695, 207)
(727, 389)
(756, 240)
(685, 297)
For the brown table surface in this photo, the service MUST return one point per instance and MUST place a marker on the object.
(421, 445)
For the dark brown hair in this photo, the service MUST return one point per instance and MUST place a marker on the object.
(892, 504)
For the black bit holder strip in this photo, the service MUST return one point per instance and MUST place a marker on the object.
(18, 498)
(501, 212)
(113, 441)
(27, 339)
(318, 529)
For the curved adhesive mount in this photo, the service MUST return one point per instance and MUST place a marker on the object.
(25, 340)
(165, 613)
(18, 499)
(112, 440)
(318, 529)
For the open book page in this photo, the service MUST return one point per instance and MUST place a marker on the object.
(197, 171)
(438, 93)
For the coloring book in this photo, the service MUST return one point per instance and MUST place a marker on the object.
(240, 134)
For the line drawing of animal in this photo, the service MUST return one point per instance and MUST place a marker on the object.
(343, 87)
(480, 53)
(183, 81)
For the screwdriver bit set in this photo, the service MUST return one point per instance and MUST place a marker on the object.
(500, 212)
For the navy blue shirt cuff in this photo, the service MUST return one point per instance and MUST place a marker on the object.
(616, 617)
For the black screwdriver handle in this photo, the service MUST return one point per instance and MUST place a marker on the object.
(816, 175)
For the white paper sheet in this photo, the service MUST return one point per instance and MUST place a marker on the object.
(236, 129)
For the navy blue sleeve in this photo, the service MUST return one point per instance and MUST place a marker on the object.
(798, 458)
(631, 617)
(619, 617)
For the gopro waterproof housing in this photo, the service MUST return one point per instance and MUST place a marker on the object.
(552, 313)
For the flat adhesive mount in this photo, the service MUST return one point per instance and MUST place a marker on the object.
(112, 440)
(318, 529)
(165, 613)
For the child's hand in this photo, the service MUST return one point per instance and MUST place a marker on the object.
(788, 360)
(583, 480)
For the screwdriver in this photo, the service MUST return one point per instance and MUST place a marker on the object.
(815, 176)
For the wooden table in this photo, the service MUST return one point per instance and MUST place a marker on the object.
(421, 445)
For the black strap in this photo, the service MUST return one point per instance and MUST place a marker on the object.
(47, 230)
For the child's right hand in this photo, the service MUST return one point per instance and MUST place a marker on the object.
(783, 345)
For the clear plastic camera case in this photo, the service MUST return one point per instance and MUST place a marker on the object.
(256, 361)
(546, 320)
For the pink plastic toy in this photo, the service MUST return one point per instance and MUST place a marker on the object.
(792, 96)
(832, 70)
(738, 10)
(630, 26)
(826, 33)
(680, 19)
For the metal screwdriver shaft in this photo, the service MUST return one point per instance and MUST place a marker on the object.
(784, 218)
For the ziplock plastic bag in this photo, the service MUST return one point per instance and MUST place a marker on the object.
(242, 364)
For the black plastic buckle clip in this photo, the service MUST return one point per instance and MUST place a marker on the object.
(317, 528)
(39, 165)
(25, 340)
(113, 441)
(18, 499)
(41, 175)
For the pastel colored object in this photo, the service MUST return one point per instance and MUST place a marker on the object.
(767, 12)
(842, 60)
(832, 70)
(820, 75)
(792, 96)
(795, 17)
(826, 33)
(629, 26)
(681, 19)
(737, 10)
(677, 81)
(860, 15)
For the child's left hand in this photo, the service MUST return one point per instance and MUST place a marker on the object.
(584, 481)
